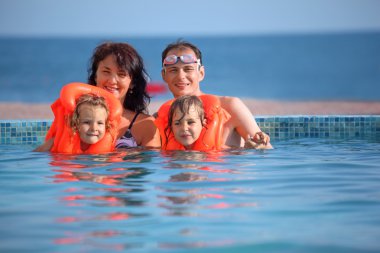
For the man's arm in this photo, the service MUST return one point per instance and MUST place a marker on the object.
(243, 122)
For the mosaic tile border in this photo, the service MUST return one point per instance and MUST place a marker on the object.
(331, 126)
(278, 127)
(23, 132)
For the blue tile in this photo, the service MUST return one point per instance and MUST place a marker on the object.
(21, 132)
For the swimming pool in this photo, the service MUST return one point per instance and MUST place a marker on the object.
(309, 194)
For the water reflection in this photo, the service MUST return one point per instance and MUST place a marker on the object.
(192, 190)
(112, 186)
(195, 156)
(130, 191)
(185, 201)
(71, 168)
(200, 187)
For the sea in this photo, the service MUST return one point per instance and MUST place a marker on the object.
(333, 66)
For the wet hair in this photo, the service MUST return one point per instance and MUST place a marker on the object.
(181, 44)
(127, 59)
(88, 99)
(184, 103)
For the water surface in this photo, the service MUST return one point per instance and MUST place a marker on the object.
(307, 195)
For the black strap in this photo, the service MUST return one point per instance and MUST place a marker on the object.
(133, 120)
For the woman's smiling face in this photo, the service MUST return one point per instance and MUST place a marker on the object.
(111, 77)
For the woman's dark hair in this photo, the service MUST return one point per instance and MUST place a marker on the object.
(127, 58)
(181, 44)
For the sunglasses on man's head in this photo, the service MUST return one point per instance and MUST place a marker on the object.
(186, 58)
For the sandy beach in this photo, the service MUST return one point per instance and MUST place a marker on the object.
(257, 107)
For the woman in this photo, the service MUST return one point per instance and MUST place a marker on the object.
(119, 69)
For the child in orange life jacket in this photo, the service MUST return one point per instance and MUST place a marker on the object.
(89, 121)
(186, 120)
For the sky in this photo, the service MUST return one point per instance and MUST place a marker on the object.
(86, 18)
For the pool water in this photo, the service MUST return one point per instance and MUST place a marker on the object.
(306, 195)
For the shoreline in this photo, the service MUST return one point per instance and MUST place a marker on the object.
(18, 110)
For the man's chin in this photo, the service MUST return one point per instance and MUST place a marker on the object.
(182, 93)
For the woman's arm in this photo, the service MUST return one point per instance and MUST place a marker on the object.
(146, 133)
(46, 146)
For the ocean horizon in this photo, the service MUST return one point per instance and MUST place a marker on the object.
(342, 66)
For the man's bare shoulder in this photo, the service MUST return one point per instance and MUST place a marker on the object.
(231, 103)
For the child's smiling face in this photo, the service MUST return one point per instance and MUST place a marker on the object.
(187, 127)
(91, 123)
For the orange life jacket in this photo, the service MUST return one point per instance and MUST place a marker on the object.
(211, 135)
(65, 140)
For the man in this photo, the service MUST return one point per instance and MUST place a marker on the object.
(183, 71)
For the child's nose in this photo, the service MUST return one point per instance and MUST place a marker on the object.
(185, 126)
(93, 126)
